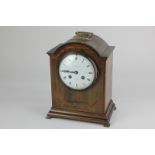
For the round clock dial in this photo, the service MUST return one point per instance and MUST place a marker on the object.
(77, 71)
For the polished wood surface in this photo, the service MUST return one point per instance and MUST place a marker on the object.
(83, 116)
(93, 104)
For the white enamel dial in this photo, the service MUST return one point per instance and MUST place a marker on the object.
(77, 71)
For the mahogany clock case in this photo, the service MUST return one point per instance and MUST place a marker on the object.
(93, 104)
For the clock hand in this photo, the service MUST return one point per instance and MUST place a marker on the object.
(75, 72)
(67, 71)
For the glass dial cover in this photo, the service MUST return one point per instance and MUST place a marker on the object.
(77, 71)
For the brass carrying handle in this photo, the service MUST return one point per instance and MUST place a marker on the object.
(83, 35)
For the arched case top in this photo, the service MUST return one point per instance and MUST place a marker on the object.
(90, 40)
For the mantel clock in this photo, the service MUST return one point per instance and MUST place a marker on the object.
(81, 79)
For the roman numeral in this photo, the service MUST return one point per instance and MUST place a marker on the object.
(88, 79)
(76, 57)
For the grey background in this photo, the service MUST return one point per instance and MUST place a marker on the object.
(25, 77)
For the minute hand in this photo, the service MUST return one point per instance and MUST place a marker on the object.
(67, 71)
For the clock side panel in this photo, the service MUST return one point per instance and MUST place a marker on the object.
(54, 87)
(88, 100)
(108, 80)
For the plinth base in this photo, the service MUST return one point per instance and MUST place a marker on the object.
(83, 116)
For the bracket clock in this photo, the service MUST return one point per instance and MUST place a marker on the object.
(81, 79)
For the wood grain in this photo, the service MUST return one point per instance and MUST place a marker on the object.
(93, 104)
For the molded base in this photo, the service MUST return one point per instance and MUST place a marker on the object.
(82, 116)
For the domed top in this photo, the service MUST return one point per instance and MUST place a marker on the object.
(90, 40)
